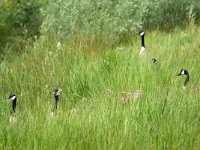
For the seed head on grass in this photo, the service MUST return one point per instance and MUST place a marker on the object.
(58, 45)
(129, 96)
(134, 96)
(108, 91)
(124, 97)
(50, 53)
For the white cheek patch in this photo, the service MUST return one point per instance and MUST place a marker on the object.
(56, 93)
(13, 98)
(142, 33)
(183, 72)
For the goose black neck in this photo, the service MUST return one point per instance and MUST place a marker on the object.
(142, 39)
(14, 104)
(56, 101)
(187, 79)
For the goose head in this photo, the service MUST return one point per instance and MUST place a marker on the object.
(141, 33)
(153, 60)
(56, 92)
(186, 73)
(13, 99)
(183, 72)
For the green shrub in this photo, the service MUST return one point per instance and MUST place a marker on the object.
(20, 22)
(166, 15)
(115, 21)
(109, 21)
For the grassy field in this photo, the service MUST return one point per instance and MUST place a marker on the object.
(91, 79)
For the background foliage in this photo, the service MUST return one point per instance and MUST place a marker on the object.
(20, 23)
(91, 21)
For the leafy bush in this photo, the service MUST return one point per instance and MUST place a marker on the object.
(20, 22)
(105, 20)
(168, 14)
(115, 21)
(89, 24)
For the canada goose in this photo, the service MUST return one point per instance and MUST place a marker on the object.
(195, 87)
(56, 95)
(153, 60)
(186, 73)
(13, 99)
(142, 50)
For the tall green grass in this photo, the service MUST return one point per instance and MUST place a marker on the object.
(164, 117)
